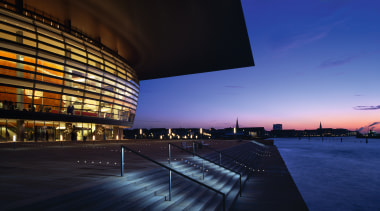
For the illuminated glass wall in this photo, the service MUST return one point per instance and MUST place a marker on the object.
(44, 69)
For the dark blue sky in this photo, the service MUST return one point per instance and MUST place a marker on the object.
(315, 61)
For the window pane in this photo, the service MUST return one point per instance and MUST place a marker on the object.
(109, 94)
(51, 49)
(51, 67)
(94, 78)
(72, 92)
(90, 107)
(94, 96)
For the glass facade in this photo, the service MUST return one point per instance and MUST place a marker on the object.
(35, 130)
(44, 69)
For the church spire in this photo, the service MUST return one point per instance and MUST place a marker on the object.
(237, 123)
(320, 125)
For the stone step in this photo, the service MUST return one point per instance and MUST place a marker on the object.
(147, 190)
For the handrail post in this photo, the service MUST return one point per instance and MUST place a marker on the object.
(220, 158)
(193, 147)
(122, 161)
(170, 185)
(203, 169)
(224, 202)
(169, 154)
(240, 186)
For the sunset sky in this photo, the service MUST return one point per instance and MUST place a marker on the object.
(316, 61)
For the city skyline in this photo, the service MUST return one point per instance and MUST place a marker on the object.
(315, 62)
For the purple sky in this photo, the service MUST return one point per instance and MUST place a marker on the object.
(315, 61)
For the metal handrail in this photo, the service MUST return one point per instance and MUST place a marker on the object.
(224, 154)
(194, 153)
(170, 169)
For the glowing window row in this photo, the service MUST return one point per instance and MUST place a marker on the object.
(63, 44)
(17, 98)
(73, 77)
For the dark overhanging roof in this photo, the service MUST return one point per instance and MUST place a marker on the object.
(163, 38)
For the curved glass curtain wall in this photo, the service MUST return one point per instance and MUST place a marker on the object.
(44, 69)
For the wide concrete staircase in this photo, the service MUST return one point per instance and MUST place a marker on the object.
(198, 182)
(245, 158)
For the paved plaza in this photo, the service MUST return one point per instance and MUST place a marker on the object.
(31, 173)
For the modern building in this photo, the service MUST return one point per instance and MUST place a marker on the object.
(277, 126)
(70, 70)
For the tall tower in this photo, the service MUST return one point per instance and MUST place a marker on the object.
(237, 123)
(320, 125)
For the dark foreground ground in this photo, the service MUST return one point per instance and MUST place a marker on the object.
(36, 172)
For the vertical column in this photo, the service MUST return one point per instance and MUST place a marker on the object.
(6, 130)
(68, 128)
(117, 133)
(101, 102)
(67, 55)
(20, 73)
(85, 78)
(20, 130)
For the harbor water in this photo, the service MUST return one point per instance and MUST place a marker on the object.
(334, 173)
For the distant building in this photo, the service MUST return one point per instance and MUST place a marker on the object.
(284, 133)
(279, 132)
(254, 132)
(277, 126)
